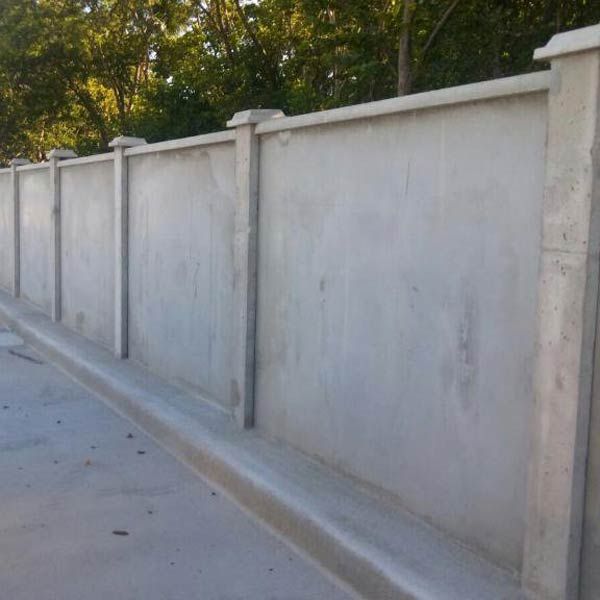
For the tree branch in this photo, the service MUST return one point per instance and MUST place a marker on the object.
(404, 50)
(439, 26)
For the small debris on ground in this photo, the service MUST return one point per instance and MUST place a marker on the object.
(141, 452)
(130, 436)
(120, 532)
(88, 462)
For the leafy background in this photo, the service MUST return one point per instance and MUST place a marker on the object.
(76, 73)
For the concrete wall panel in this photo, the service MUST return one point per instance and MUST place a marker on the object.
(87, 249)
(181, 210)
(6, 232)
(398, 261)
(36, 229)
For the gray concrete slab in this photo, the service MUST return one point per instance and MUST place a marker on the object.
(73, 473)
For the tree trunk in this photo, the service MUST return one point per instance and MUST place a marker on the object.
(404, 51)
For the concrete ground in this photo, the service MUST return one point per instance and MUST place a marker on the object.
(91, 508)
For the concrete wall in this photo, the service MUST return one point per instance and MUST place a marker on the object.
(397, 277)
(423, 274)
(6, 231)
(396, 305)
(181, 206)
(36, 226)
(88, 249)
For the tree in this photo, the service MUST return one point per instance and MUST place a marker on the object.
(404, 50)
(75, 73)
(78, 66)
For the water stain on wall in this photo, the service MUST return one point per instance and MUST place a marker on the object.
(468, 332)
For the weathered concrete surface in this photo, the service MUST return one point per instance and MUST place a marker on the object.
(6, 231)
(397, 288)
(54, 157)
(36, 205)
(87, 250)
(247, 151)
(121, 239)
(181, 217)
(379, 550)
(567, 328)
(71, 475)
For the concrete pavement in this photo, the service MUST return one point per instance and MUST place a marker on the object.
(93, 508)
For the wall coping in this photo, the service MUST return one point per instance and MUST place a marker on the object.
(15, 162)
(33, 166)
(61, 153)
(254, 116)
(570, 42)
(126, 141)
(83, 160)
(487, 90)
(206, 139)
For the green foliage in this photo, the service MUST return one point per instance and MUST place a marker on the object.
(75, 73)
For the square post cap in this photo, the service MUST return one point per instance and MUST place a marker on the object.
(254, 115)
(125, 141)
(570, 42)
(19, 162)
(60, 153)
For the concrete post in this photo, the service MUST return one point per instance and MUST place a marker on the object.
(120, 144)
(53, 158)
(14, 176)
(245, 247)
(567, 311)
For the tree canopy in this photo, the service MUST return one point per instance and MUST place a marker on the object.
(75, 73)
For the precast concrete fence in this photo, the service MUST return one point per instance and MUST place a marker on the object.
(406, 289)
